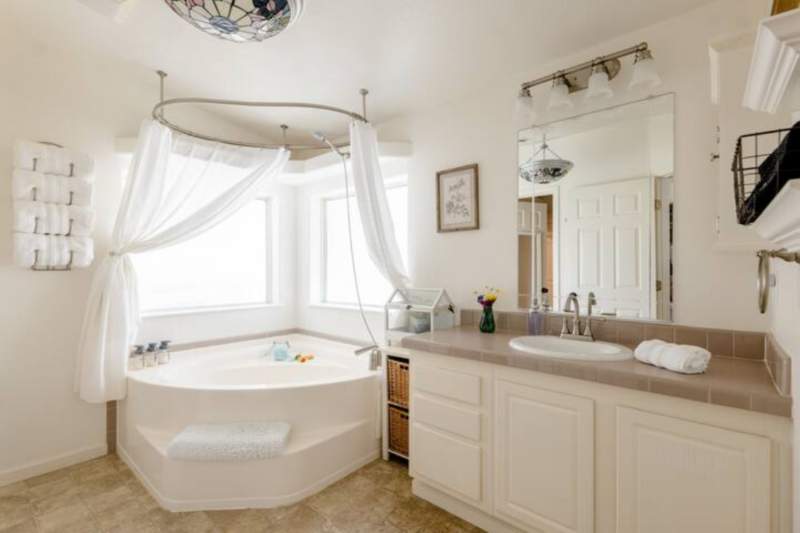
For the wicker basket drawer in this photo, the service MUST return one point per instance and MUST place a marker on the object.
(397, 378)
(398, 430)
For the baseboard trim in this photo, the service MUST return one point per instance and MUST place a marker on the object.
(460, 509)
(38, 468)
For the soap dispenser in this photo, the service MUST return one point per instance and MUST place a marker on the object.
(149, 357)
(536, 314)
(137, 357)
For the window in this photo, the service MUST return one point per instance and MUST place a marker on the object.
(337, 283)
(229, 265)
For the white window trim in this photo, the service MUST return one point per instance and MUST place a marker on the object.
(322, 260)
(272, 296)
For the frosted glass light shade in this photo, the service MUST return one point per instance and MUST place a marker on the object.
(524, 115)
(599, 87)
(645, 74)
(559, 96)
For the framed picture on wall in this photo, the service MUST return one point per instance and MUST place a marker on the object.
(779, 6)
(457, 199)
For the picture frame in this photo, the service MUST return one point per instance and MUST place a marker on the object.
(457, 199)
(781, 6)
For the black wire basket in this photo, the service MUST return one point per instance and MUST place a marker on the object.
(762, 164)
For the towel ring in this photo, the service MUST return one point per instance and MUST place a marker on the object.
(764, 279)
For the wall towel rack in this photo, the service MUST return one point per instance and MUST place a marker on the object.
(764, 279)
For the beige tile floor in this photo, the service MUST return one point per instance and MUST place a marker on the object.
(102, 495)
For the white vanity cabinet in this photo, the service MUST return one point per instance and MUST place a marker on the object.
(515, 450)
(676, 475)
(544, 459)
(449, 429)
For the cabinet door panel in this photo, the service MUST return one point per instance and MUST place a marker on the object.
(447, 461)
(676, 475)
(544, 458)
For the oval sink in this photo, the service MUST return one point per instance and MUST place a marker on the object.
(545, 346)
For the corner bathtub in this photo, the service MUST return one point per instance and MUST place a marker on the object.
(330, 402)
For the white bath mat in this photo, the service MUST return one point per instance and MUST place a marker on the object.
(241, 441)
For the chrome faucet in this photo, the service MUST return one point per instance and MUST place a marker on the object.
(572, 305)
(587, 330)
(572, 301)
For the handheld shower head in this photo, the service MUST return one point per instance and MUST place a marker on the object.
(318, 135)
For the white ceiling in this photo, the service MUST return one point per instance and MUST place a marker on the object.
(411, 55)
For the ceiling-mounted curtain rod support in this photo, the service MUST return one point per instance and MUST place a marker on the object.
(602, 60)
(158, 115)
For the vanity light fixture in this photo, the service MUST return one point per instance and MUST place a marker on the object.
(559, 95)
(645, 73)
(524, 114)
(599, 87)
(595, 76)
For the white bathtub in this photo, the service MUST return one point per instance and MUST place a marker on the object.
(331, 404)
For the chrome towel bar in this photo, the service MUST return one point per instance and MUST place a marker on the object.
(765, 281)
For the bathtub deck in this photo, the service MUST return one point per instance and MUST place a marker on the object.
(103, 495)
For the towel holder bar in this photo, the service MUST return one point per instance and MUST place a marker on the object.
(38, 268)
(67, 234)
(765, 280)
(35, 191)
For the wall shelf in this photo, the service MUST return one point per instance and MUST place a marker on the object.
(780, 222)
(775, 56)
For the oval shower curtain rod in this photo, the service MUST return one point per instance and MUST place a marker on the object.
(158, 114)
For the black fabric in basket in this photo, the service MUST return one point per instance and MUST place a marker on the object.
(781, 166)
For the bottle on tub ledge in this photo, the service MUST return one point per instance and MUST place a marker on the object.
(162, 355)
(537, 314)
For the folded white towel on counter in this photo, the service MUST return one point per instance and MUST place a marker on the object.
(238, 441)
(53, 251)
(51, 188)
(49, 159)
(676, 357)
(53, 219)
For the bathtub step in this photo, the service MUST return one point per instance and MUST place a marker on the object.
(160, 439)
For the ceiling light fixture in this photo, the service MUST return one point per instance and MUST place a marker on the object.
(559, 95)
(239, 21)
(645, 73)
(545, 169)
(599, 87)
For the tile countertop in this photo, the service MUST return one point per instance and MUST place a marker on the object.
(740, 383)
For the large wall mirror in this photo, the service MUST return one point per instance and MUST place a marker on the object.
(595, 210)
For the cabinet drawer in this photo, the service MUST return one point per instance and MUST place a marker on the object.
(453, 464)
(462, 422)
(447, 383)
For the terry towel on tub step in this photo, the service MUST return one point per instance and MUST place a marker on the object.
(238, 441)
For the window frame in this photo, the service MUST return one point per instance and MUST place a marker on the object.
(322, 270)
(270, 206)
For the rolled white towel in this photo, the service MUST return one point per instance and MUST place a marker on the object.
(681, 358)
(49, 159)
(51, 188)
(237, 441)
(54, 219)
(53, 251)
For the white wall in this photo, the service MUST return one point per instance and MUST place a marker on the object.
(83, 101)
(481, 130)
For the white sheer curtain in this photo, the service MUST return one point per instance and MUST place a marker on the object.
(376, 218)
(163, 204)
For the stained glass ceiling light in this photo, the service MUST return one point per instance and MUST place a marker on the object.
(239, 21)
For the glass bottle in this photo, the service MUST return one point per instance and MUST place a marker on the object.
(162, 355)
